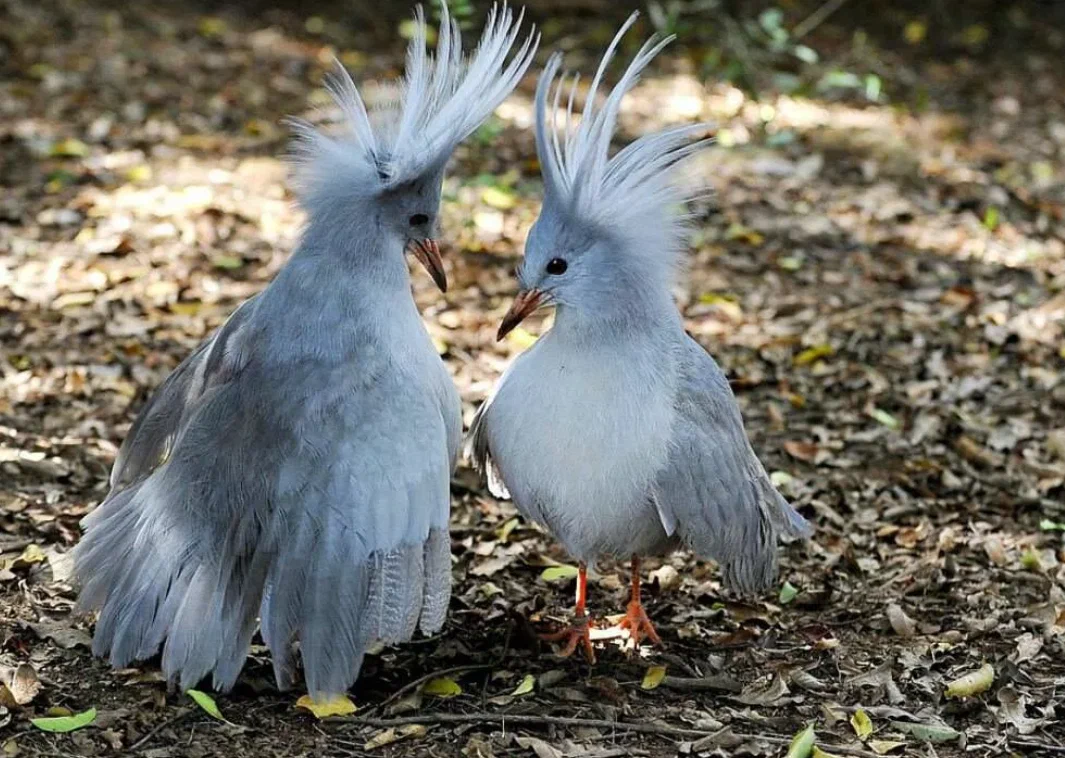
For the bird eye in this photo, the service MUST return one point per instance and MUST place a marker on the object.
(418, 219)
(557, 266)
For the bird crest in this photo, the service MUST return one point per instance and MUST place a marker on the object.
(444, 97)
(634, 190)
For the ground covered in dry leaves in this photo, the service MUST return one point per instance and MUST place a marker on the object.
(881, 273)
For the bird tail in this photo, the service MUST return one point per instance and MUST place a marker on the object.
(788, 520)
(152, 587)
(337, 610)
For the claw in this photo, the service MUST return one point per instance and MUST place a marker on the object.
(578, 633)
(639, 625)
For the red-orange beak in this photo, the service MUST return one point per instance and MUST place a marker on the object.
(428, 254)
(525, 303)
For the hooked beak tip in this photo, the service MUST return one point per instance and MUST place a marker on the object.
(525, 303)
(427, 252)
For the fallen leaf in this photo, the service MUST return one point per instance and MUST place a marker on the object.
(863, 725)
(442, 687)
(903, 625)
(526, 686)
(668, 578)
(811, 354)
(339, 705)
(521, 337)
(787, 593)
(1012, 711)
(653, 677)
(390, 735)
(883, 747)
(972, 683)
(804, 451)
(927, 732)
(802, 744)
(558, 573)
(206, 702)
(498, 198)
(65, 723)
(21, 687)
(538, 746)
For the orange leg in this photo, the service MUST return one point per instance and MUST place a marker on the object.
(579, 632)
(636, 620)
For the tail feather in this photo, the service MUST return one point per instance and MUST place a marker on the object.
(437, 588)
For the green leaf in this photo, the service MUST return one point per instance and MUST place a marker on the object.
(802, 744)
(558, 573)
(497, 198)
(805, 54)
(1051, 526)
(787, 593)
(206, 702)
(526, 686)
(228, 262)
(442, 687)
(503, 532)
(885, 418)
(811, 354)
(65, 723)
(655, 676)
(927, 732)
(863, 725)
(991, 218)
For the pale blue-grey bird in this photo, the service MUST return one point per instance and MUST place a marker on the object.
(616, 430)
(295, 469)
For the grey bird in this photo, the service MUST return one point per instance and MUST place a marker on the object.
(616, 430)
(295, 469)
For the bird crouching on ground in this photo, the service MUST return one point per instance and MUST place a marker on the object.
(296, 467)
(616, 430)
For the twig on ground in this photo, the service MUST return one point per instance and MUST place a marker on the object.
(666, 730)
(702, 684)
(169, 722)
(1038, 746)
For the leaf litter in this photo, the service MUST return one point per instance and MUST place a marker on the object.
(880, 280)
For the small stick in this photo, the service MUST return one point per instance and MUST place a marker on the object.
(169, 722)
(620, 726)
(422, 680)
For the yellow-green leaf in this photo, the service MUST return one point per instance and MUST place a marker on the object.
(802, 744)
(211, 26)
(655, 676)
(32, 554)
(498, 198)
(819, 753)
(885, 418)
(863, 725)
(339, 705)
(883, 747)
(787, 593)
(811, 354)
(521, 337)
(972, 683)
(65, 723)
(915, 32)
(526, 686)
(503, 532)
(558, 573)
(206, 702)
(442, 687)
(69, 148)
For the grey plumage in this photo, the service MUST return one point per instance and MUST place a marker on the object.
(616, 430)
(296, 466)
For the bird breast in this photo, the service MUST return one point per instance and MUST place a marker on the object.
(579, 437)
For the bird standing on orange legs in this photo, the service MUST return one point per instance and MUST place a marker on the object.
(616, 430)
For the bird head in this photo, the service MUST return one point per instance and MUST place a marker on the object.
(387, 170)
(608, 232)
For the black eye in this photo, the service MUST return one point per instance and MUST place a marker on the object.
(556, 266)
(418, 219)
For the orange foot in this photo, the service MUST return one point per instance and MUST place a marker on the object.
(578, 633)
(639, 625)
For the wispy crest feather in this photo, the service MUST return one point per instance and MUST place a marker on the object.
(445, 97)
(580, 176)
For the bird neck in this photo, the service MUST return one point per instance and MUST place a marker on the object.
(630, 310)
(350, 247)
